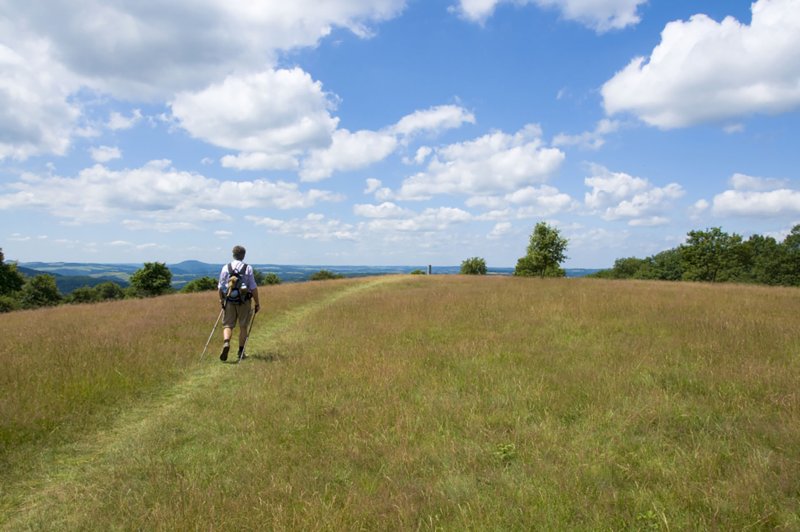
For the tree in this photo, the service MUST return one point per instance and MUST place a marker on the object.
(202, 284)
(154, 279)
(84, 294)
(270, 278)
(473, 266)
(40, 291)
(546, 252)
(10, 279)
(324, 275)
(109, 290)
(711, 256)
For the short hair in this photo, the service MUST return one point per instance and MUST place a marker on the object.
(238, 252)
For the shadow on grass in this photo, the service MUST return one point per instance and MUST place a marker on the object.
(271, 356)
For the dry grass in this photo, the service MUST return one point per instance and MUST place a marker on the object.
(450, 402)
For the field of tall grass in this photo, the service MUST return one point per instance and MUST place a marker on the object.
(410, 402)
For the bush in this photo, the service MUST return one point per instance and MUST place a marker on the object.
(474, 266)
(203, 284)
(109, 290)
(270, 278)
(418, 272)
(154, 279)
(9, 304)
(40, 291)
(324, 275)
(84, 294)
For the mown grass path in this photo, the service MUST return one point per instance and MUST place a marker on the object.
(58, 493)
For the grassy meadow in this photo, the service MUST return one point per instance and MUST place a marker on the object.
(410, 402)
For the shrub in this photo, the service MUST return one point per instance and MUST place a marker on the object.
(474, 266)
(271, 278)
(8, 304)
(324, 275)
(40, 291)
(109, 290)
(154, 279)
(84, 294)
(202, 284)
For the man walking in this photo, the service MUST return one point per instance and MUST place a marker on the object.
(237, 286)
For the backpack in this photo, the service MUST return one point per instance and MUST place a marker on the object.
(238, 292)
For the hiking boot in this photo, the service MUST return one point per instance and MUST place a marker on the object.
(242, 356)
(225, 348)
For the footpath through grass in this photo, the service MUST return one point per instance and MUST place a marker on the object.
(456, 403)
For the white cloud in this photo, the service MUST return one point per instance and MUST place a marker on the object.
(313, 227)
(272, 112)
(430, 220)
(155, 193)
(35, 116)
(260, 161)
(434, 120)
(386, 209)
(592, 140)
(117, 121)
(103, 154)
(348, 151)
(601, 15)
(137, 51)
(529, 202)
(703, 70)
(758, 197)
(496, 162)
(500, 230)
(619, 195)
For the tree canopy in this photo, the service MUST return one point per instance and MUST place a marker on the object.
(546, 251)
(473, 266)
(153, 279)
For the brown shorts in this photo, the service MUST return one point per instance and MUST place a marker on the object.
(236, 312)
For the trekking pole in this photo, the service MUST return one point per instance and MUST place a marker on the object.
(212, 332)
(246, 338)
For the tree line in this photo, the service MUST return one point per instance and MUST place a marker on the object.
(714, 256)
(19, 292)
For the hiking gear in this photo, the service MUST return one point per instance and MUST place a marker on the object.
(238, 291)
(242, 354)
(212, 331)
(225, 348)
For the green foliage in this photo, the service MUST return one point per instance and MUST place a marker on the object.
(546, 252)
(418, 272)
(10, 279)
(473, 266)
(109, 290)
(40, 291)
(715, 256)
(154, 279)
(9, 304)
(84, 294)
(270, 278)
(711, 256)
(203, 284)
(324, 275)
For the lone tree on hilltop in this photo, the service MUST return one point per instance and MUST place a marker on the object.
(474, 266)
(154, 279)
(545, 253)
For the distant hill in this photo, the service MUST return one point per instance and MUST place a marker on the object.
(72, 275)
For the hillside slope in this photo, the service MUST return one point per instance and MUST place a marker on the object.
(413, 402)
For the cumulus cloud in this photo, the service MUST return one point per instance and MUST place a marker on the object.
(703, 70)
(592, 140)
(271, 112)
(138, 51)
(103, 154)
(314, 226)
(496, 162)
(757, 197)
(348, 151)
(117, 121)
(527, 202)
(430, 220)
(619, 195)
(386, 209)
(434, 120)
(601, 16)
(35, 114)
(155, 193)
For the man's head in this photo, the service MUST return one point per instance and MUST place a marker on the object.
(238, 252)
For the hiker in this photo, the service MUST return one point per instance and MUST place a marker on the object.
(237, 286)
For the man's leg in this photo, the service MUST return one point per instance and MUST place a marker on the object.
(228, 323)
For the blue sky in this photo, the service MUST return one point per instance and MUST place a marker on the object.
(390, 132)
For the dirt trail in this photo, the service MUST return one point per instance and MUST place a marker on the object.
(62, 473)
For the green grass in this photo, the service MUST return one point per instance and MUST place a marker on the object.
(445, 402)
